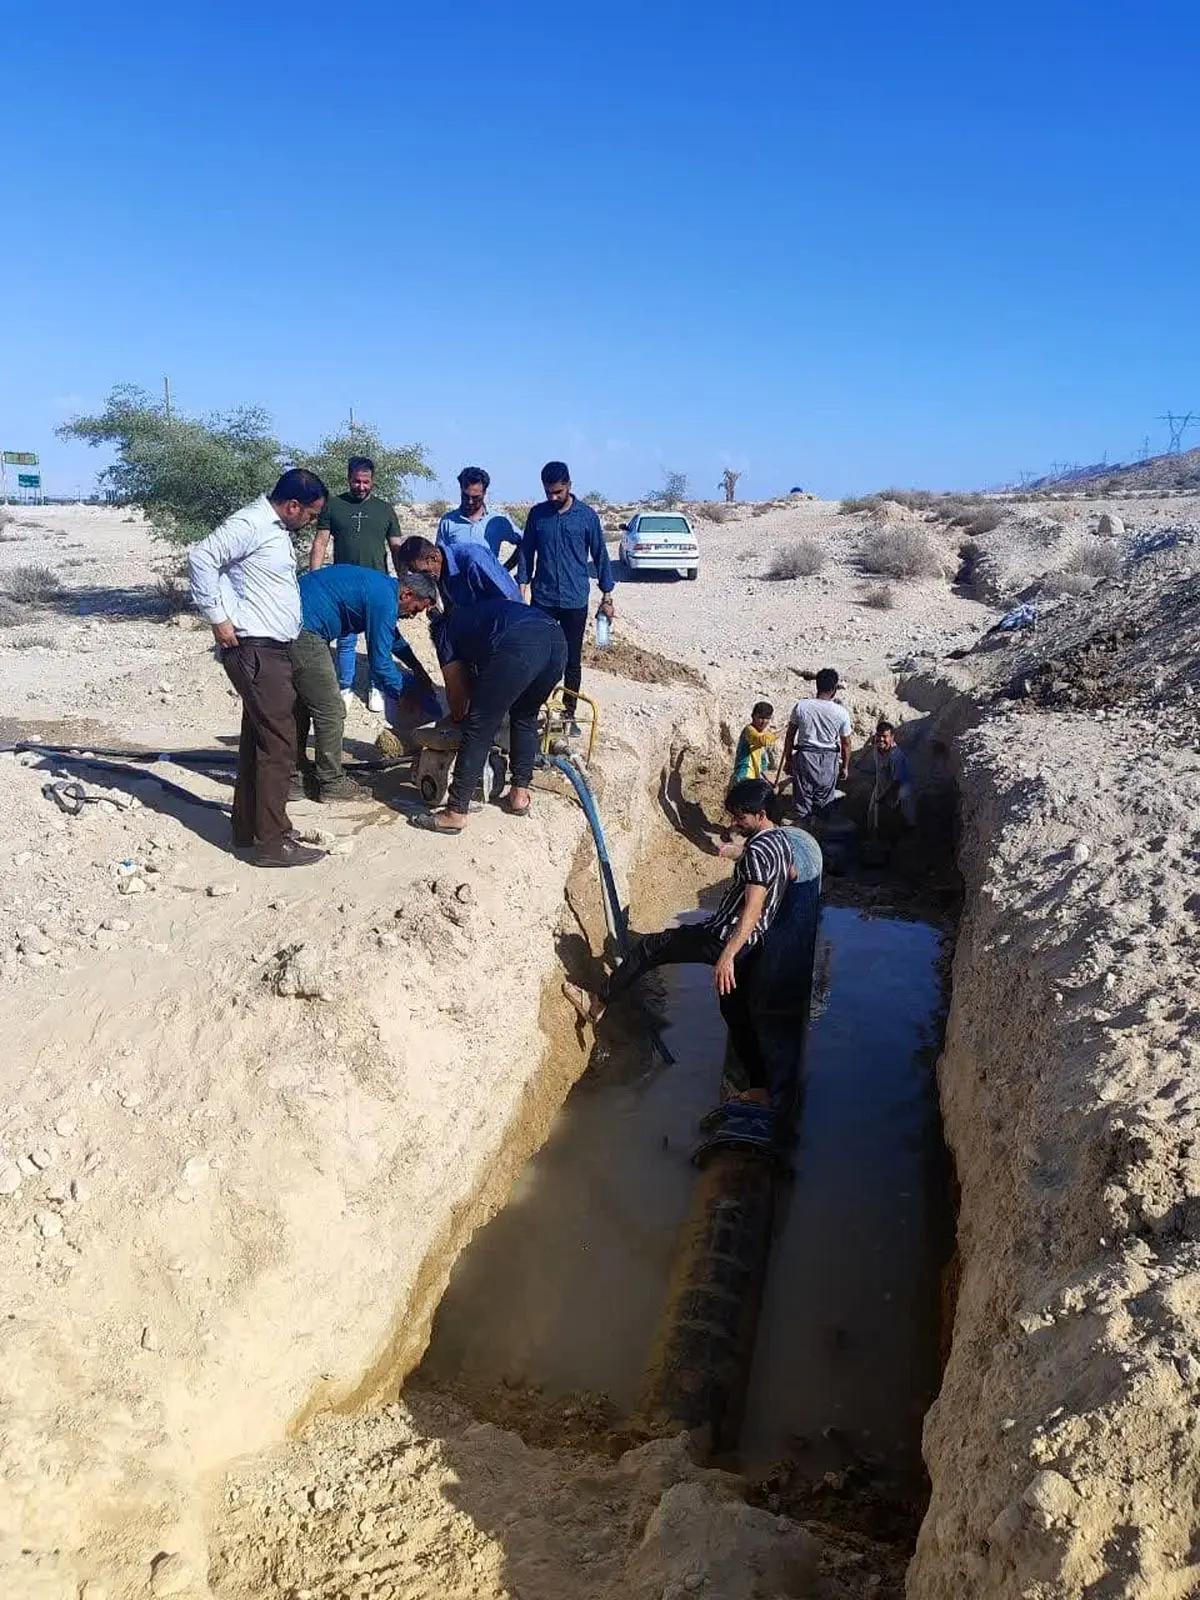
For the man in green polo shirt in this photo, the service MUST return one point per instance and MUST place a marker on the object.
(364, 528)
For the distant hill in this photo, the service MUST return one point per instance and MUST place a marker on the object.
(1159, 472)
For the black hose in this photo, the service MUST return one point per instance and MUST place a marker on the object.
(95, 764)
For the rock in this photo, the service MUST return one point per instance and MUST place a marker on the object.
(322, 1499)
(217, 891)
(33, 942)
(92, 1590)
(131, 885)
(739, 1553)
(1110, 525)
(10, 1178)
(116, 925)
(1080, 852)
(1006, 1526)
(196, 1171)
(465, 894)
(66, 1125)
(170, 1574)
(80, 1192)
(41, 1159)
(49, 1223)
(58, 1191)
(298, 971)
(166, 688)
(149, 1342)
(1051, 1498)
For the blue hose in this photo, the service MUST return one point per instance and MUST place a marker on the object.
(614, 913)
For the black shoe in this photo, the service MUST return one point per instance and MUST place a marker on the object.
(343, 788)
(287, 853)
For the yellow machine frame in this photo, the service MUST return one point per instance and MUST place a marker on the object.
(555, 703)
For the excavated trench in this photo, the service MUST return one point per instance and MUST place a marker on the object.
(550, 1321)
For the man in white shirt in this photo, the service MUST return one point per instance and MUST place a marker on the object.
(817, 748)
(244, 581)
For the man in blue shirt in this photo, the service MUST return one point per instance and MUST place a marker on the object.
(473, 523)
(340, 600)
(464, 573)
(498, 657)
(561, 536)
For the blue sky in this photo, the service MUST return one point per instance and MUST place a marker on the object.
(833, 246)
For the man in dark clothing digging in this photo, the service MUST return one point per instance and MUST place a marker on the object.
(730, 941)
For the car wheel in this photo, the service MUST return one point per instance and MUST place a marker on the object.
(693, 573)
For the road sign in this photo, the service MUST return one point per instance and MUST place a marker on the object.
(20, 458)
(29, 480)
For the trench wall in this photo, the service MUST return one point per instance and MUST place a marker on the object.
(1064, 1448)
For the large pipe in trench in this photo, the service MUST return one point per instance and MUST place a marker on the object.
(699, 1369)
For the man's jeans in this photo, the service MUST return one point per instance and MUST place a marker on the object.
(524, 667)
(347, 656)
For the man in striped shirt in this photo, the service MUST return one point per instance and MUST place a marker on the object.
(730, 941)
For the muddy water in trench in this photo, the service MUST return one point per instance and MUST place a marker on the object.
(565, 1287)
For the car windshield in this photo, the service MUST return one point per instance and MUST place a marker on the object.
(663, 525)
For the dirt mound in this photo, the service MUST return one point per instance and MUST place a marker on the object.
(624, 659)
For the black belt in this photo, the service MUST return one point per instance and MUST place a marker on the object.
(262, 644)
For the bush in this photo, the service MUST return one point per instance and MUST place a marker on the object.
(37, 641)
(10, 613)
(172, 595)
(437, 508)
(32, 585)
(596, 499)
(900, 553)
(714, 511)
(880, 597)
(977, 522)
(804, 559)
(911, 499)
(849, 508)
(518, 515)
(1096, 558)
(673, 492)
(968, 563)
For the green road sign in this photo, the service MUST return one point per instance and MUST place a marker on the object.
(20, 458)
(29, 480)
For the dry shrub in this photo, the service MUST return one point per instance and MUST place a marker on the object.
(172, 596)
(1096, 558)
(1057, 513)
(900, 553)
(764, 508)
(518, 514)
(880, 597)
(977, 522)
(803, 559)
(10, 614)
(32, 585)
(37, 641)
(855, 504)
(437, 508)
(911, 499)
(968, 563)
(714, 511)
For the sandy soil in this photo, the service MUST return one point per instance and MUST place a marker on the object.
(233, 1173)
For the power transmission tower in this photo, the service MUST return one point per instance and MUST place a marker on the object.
(1145, 455)
(1178, 426)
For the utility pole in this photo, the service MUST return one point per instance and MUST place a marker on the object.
(1145, 455)
(167, 396)
(352, 422)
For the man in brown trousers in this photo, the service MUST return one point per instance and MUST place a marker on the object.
(244, 581)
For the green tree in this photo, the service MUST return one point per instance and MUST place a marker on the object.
(394, 464)
(187, 475)
(673, 492)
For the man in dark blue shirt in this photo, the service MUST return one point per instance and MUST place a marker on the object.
(464, 573)
(498, 657)
(336, 601)
(561, 536)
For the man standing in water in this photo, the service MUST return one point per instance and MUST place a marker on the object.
(817, 748)
(364, 528)
(730, 941)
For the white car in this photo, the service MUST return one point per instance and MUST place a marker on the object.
(660, 541)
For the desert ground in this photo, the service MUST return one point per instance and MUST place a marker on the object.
(249, 1120)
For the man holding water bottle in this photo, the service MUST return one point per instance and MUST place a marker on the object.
(562, 535)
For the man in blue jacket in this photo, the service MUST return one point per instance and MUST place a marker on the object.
(464, 573)
(336, 601)
(561, 536)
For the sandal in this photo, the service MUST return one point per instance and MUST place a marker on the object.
(506, 805)
(428, 822)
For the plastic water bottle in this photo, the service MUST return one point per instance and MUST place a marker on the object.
(602, 631)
